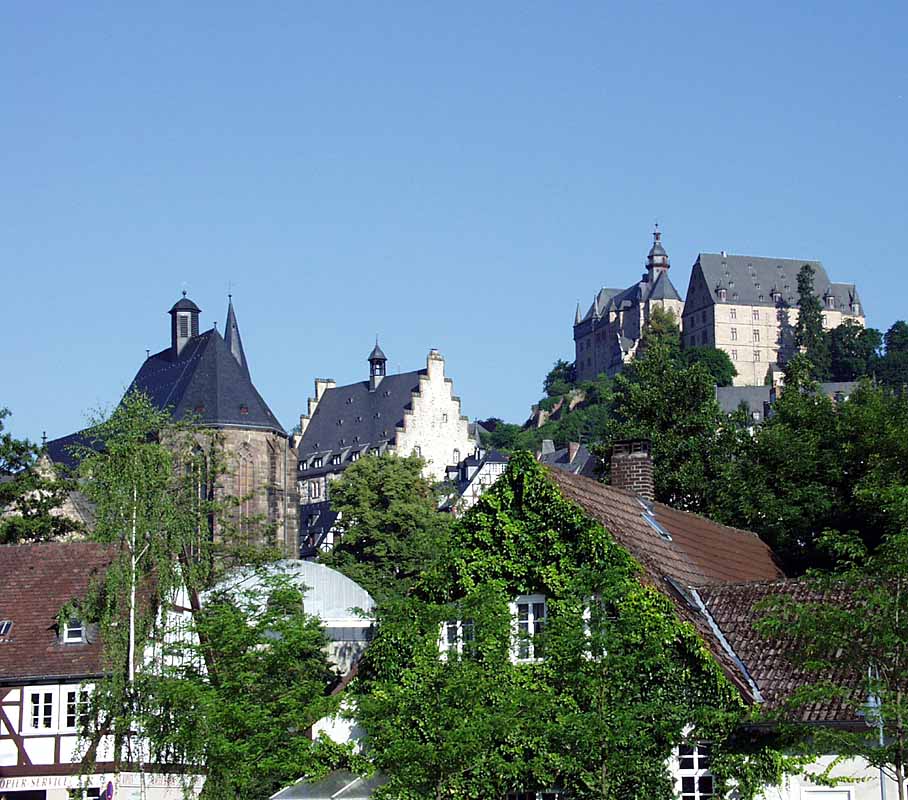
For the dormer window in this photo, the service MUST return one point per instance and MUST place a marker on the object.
(336, 459)
(316, 463)
(354, 456)
(244, 410)
(723, 293)
(855, 308)
(6, 625)
(73, 631)
(830, 300)
(776, 296)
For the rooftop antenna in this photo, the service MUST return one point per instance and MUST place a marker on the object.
(43, 439)
(147, 353)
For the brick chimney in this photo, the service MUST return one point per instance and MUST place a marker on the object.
(632, 467)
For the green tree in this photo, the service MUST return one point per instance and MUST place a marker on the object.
(595, 713)
(853, 350)
(663, 327)
(851, 629)
(560, 380)
(808, 467)
(31, 493)
(809, 335)
(892, 368)
(236, 698)
(673, 406)
(715, 361)
(388, 527)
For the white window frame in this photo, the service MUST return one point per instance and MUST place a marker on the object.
(733, 313)
(73, 633)
(32, 724)
(524, 649)
(315, 489)
(81, 692)
(695, 772)
(458, 627)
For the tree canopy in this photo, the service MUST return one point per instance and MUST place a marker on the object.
(388, 525)
(31, 493)
(592, 699)
(809, 335)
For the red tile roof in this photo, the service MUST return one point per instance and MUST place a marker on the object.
(677, 551)
(36, 581)
(767, 660)
(701, 552)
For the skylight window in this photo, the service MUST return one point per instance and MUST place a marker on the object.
(6, 625)
(650, 519)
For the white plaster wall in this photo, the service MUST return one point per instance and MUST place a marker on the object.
(863, 783)
(40, 749)
(435, 424)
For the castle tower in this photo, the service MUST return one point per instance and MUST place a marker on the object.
(657, 259)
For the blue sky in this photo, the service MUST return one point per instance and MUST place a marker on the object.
(454, 176)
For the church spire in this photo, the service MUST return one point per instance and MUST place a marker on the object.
(577, 317)
(232, 336)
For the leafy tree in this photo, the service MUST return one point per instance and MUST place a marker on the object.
(852, 351)
(389, 526)
(560, 380)
(851, 629)
(663, 327)
(31, 493)
(598, 716)
(808, 467)
(892, 368)
(236, 700)
(809, 335)
(715, 361)
(674, 406)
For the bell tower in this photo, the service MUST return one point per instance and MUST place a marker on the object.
(657, 260)
(184, 323)
(377, 363)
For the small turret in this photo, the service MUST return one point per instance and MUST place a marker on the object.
(577, 317)
(657, 259)
(377, 363)
(184, 323)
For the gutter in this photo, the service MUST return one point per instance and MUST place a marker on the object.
(725, 645)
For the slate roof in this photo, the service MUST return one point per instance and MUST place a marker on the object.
(750, 280)
(232, 338)
(664, 289)
(583, 463)
(754, 397)
(353, 418)
(205, 380)
(36, 581)
(677, 551)
(732, 607)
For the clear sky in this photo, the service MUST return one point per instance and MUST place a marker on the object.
(450, 175)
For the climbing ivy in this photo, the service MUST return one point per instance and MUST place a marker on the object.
(622, 682)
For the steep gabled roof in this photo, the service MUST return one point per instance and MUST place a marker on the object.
(355, 416)
(36, 581)
(678, 551)
(206, 381)
(750, 280)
